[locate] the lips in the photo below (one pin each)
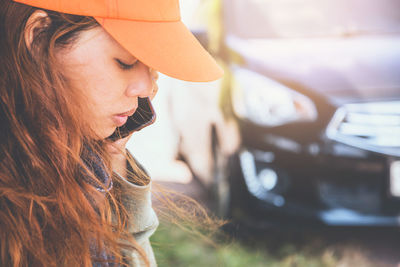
(128, 113)
(121, 118)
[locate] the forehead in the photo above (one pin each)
(98, 40)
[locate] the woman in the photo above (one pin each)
(71, 72)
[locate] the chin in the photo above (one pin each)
(104, 133)
(109, 132)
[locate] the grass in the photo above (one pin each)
(278, 246)
(175, 247)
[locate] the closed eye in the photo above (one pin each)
(125, 66)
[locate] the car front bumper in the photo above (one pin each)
(292, 186)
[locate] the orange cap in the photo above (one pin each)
(151, 30)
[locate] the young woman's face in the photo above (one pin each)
(109, 79)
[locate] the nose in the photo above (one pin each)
(142, 82)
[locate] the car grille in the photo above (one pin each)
(370, 126)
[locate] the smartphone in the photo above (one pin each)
(144, 116)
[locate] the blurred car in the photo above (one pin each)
(305, 126)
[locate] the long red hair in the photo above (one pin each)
(49, 214)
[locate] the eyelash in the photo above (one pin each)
(126, 66)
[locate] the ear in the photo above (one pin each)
(38, 19)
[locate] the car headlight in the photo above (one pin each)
(267, 102)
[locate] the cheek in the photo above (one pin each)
(104, 99)
(99, 88)
(99, 119)
(99, 94)
(100, 105)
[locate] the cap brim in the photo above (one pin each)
(168, 47)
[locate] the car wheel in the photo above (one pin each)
(220, 187)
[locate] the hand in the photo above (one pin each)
(117, 152)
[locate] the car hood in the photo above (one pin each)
(341, 69)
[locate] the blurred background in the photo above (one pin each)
(298, 145)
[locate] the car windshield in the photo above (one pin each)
(310, 18)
